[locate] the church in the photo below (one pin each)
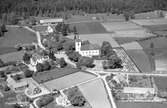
(87, 50)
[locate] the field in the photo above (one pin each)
(98, 39)
(69, 80)
(148, 22)
(161, 83)
(140, 105)
(89, 27)
(15, 36)
(55, 73)
(96, 94)
(159, 50)
(140, 81)
(118, 26)
(140, 58)
(161, 62)
(14, 56)
(123, 40)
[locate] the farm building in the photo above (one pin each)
(87, 50)
(51, 21)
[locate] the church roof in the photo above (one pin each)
(90, 47)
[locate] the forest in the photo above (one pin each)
(62, 8)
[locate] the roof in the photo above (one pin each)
(51, 20)
(90, 47)
(54, 74)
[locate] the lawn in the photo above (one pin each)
(161, 83)
(89, 28)
(96, 94)
(14, 36)
(69, 80)
(141, 105)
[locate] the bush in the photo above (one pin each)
(62, 63)
(28, 73)
(45, 101)
(113, 63)
(75, 97)
(74, 56)
(85, 61)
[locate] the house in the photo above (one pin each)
(51, 21)
(35, 59)
(16, 85)
(87, 50)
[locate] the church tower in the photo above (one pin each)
(77, 43)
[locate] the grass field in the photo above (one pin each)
(161, 83)
(68, 80)
(148, 22)
(118, 26)
(13, 37)
(96, 94)
(141, 59)
(160, 45)
(89, 28)
(13, 56)
(123, 40)
(98, 39)
(140, 105)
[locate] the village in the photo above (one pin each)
(97, 62)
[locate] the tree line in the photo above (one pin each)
(56, 8)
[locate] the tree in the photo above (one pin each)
(152, 48)
(39, 67)
(62, 63)
(52, 56)
(45, 101)
(2, 63)
(2, 74)
(106, 49)
(17, 106)
(75, 30)
(3, 29)
(78, 101)
(28, 73)
(26, 58)
(113, 63)
(17, 77)
(85, 61)
(74, 56)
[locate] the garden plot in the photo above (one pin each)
(96, 94)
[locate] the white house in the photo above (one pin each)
(87, 50)
(51, 21)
